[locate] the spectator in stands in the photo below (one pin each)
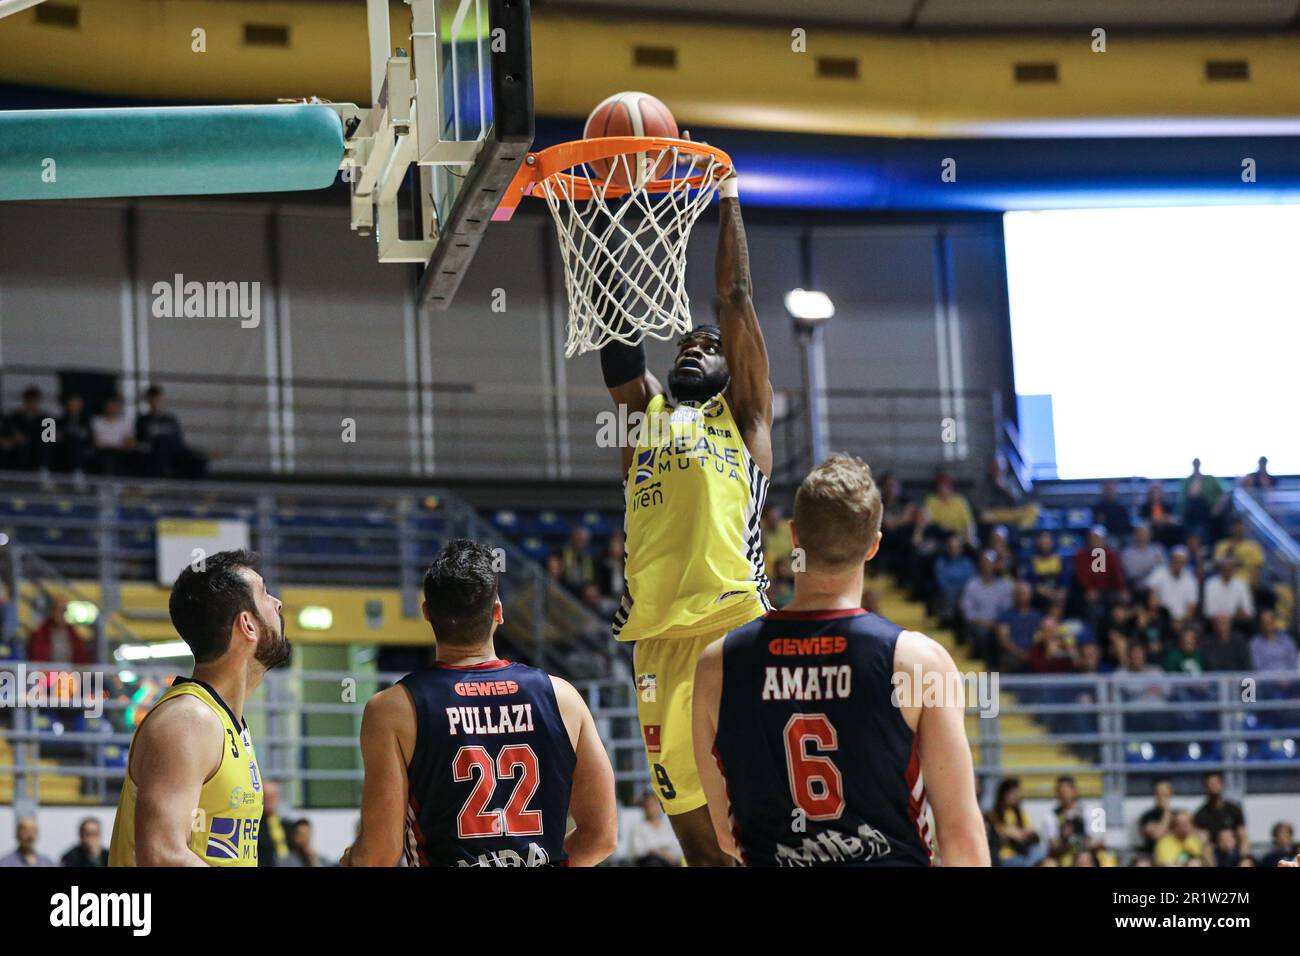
(1118, 625)
(897, 524)
(1098, 568)
(57, 640)
(1246, 553)
(1016, 629)
(1227, 594)
(1225, 650)
(1176, 586)
(1020, 842)
(1181, 845)
(90, 851)
(1157, 514)
(1185, 657)
(8, 444)
(1149, 623)
(1259, 479)
(776, 536)
(114, 438)
(1283, 846)
(1000, 544)
(555, 567)
(25, 854)
(1218, 813)
(1157, 821)
(1203, 500)
(1227, 852)
(1003, 502)
(1054, 650)
(650, 840)
(1090, 660)
(75, 450)
(950, 512)
(272, 841)
(161, 443)
(1142, 557)
(32, 438)
(983, 600)
(1046, 571)
(609, 569)
(1272, 649)
(579, 566)
(781, 591)
(1063, 826)
(301, 851)
(1198, 555)
(1140, 680)
(1111, 513)
(8, 623)
(952, 570)
(596, 602)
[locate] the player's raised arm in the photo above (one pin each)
(946, 765)
(705, 700)
(750, 391)
(623, 367)
(387, 735)
(178, 747)
(592, 803)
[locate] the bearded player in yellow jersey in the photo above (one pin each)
(193, 792)
(694, 489)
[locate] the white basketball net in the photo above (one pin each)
(625, 256)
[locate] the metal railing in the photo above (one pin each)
(1125, 728)
(504, 430)
(105, 532)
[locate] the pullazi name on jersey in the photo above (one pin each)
(501, 719)
(832, 846)
(821, 682)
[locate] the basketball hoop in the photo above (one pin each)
(623, 230)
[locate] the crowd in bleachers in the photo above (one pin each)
(1179, 588)
(109, 441)
(1069, 833)
(89, 850)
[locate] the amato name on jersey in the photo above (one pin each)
(503, 719)
(827, 682)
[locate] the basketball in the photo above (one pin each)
(630, 114)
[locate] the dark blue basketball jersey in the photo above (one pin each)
(492, 768)
(821, 767)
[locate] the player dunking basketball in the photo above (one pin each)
(823, 732)
(694, 489)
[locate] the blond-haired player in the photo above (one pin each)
(817, 741)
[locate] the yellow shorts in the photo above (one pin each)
(665, 677)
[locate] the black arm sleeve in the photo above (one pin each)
(621, 363)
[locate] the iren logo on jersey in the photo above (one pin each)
(487, 688)
(74, 908)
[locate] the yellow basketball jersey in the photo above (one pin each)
(694, 497)
(226, 821)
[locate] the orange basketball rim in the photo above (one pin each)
(557, 164)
